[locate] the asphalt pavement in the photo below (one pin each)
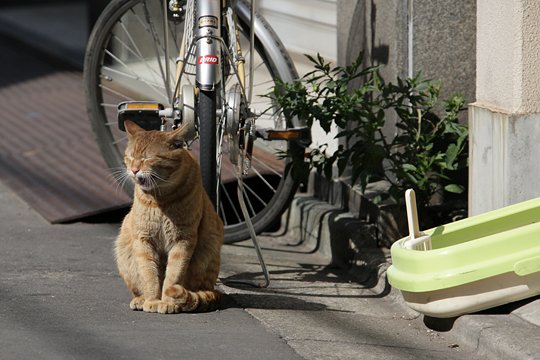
(61, 298)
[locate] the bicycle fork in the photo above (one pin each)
(208, 77)
(208, 49)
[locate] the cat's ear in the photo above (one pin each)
(132, 128)
(178, 137)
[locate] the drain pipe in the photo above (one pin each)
(410, 38)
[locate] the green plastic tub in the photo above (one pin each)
(470, 265)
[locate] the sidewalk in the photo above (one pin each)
(511, 331)
(60, 295)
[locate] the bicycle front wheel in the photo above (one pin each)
(131, 55)
(208, 143)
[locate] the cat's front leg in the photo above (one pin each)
(178, 262)
(148, 265)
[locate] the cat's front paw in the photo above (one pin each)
(169, 306)
(151, 306)
(161, 306)
(137, 303)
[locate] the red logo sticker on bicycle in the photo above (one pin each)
(208, 59)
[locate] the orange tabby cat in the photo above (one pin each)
(168, 249)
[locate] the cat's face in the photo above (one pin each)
(151, 157)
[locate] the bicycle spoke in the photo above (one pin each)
(138, 52)
(148, 26)
(130, 38)
(263, 179)
(248, 200)
(231, 203)
(133, 76)
(137, 55)
(249, 188)
(253, 196)
(125, 97)
(163, 10)
(222, 214)
(265, 165)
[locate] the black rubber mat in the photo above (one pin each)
(48, 154)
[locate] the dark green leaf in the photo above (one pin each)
(454, 188)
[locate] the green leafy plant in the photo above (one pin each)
(427, 153)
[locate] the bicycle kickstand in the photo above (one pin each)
(249, 224)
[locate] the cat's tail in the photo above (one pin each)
(199, 301)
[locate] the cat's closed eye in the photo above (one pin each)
(141, 158)
(176, 145)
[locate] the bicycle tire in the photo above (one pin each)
(206, 111)
(275, 60)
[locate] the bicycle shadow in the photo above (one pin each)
(303, 287)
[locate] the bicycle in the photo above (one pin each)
(170, 62)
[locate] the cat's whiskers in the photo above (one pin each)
(155, 180)
(151, 183)
(120, 176)
(162, 179)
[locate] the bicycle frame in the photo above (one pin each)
(208, 43)
(207, 46)
(208, 53)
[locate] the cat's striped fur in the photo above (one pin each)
(168, 249)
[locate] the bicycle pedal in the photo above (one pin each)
(301, 135)
(143, 113)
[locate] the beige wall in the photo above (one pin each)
(508, 45)
(505, 120)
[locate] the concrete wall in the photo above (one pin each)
(505, 119)
(496, 70)
(411, 36)
(503, 158)
(379, 28)
(444, 44)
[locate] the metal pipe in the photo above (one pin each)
(251, 51)
(410, 39)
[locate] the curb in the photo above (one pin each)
(506, 332)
